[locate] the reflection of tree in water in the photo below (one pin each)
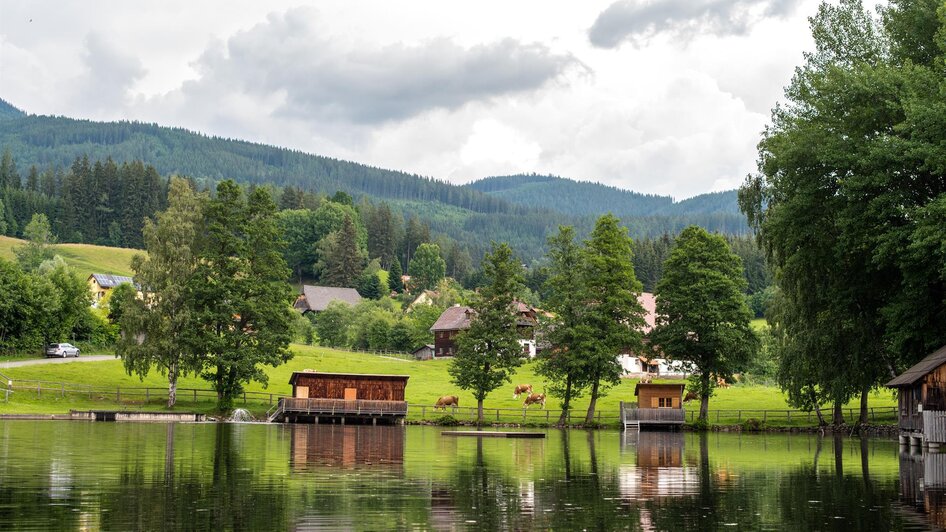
(233, 496)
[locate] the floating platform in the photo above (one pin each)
(492, 434)
(121, 415)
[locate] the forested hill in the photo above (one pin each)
(57, 141)
(581, 198)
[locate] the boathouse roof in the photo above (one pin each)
(371, 376)
(920, 369)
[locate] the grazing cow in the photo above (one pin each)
(447, 400)
(721, 382)
(690, 396)
(647, 379)
(522, 389)
(535, 398)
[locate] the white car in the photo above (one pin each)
(62, 350)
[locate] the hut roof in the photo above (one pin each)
(453, 319)
(372, 376)
(106, 280)
(662, 385)
(909, 377)
(317, 298)
(425, 346)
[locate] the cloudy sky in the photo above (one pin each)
(658, 96)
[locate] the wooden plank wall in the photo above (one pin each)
(333, 387)
(648, 397)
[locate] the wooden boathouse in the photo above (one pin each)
(658, 405)
(319, 397)
(922, 401)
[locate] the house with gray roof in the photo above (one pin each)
(317, 298)
(100, 284)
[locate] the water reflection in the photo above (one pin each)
(263, 477)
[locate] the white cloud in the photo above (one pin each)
(455, 91)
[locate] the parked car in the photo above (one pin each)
(62, 350)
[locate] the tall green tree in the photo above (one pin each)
(427, 267)
(562, 363)
(72, 300)
(384, 229)
(489, 350)
(240, 297)
(612, 317)
(341, 259)
(395, 283)
(38, 248)
(702, 315)
(155, 326)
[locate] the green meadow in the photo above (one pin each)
(428, 381)
(85, 258)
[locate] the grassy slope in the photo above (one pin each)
(85, 258)
(428, 381)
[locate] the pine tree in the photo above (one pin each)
(427, 268)
(395, 283)
(340, 258)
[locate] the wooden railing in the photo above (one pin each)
(341, 406)
(653, 415)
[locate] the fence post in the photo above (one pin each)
(547, 416)
(62, 390)
(740, 416)
(523, 415)
(872, 418)
(244, 397)
(717, 416)
(423, 412)
(765, 416)
(497, 414)
(195, 395)
(789, 412)
(39, 391)
(270, 399)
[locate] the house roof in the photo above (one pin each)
(106, 280)
(660, 386)
(921, 369)
(317, 298)
(312, 373)
(425, 346)
(453, 319)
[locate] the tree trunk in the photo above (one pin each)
(704, 398)
(172, 385)
(479, 411)
(566, 402)
(864, 418)
(838, 414)
(590, 416)
(814, 401)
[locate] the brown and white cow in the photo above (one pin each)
(690, 396)
(522, 389)
(535, 398)
(447, 400)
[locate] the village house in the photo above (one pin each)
(424, 352)
(922, 401)
(639, 364)
(100, 284)
(318, 298)
(658, 404)
(457, 318)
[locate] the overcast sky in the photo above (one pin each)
(657, 96)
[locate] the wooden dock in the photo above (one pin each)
(297, 410)
(635, 418)
(493, 434)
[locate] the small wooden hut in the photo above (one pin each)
(922, 400)
(658, 404)
(343, 397)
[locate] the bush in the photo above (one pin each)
(752, 425)
(699, 425)
(446, 420)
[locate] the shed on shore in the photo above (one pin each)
(922, 399)
(343, 398)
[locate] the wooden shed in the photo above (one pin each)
(922, 400)
(342, 397)
(658, 404)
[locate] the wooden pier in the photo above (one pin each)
(493, 434)
(633, 417)
(359, 411)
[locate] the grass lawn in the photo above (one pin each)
(428, 381)
(85, 258)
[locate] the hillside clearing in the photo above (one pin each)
(84, 258)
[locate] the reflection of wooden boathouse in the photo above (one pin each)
(923, 484)
(922, 401)
(342, 398)
(658, 405)
(347, 446)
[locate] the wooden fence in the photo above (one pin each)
(140, 395)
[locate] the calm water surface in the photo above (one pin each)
(124, 476)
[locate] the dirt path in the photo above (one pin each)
(35, 361)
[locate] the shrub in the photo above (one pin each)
(752, 425)
(446, 420)
(699, 425)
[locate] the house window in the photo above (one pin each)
(663, 402)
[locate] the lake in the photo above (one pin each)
(127, 476)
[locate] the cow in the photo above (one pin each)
(522, 389)
(447, 400)
(721, 382)
(534, 398)
(690, 396)
(647, 378)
